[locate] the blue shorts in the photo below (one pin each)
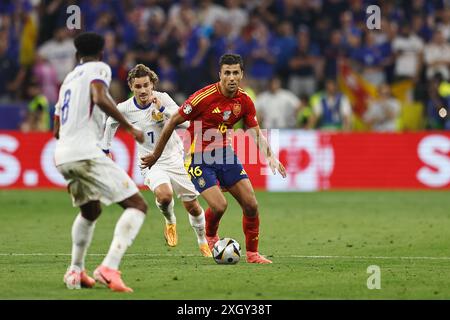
(219, 165)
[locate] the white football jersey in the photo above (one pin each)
(81, 122)
(151, 121)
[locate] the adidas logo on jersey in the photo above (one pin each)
(243, 172)
(216, 110)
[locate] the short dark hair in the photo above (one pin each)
(89, 44)
(231, 58)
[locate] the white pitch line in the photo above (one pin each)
(13, 254)
(368, 257)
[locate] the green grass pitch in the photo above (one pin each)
(321, 245)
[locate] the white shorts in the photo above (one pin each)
(174, 175)
(97, 179)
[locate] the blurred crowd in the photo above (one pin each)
(292, 51)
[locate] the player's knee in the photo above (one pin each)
(219, 208)
(164, 199)
(141, 205)
(250, 208)
(194, 208)
(91, 213)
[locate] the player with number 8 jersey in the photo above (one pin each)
(92, 178)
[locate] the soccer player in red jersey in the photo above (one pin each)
(212, 112)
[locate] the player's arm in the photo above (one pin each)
(150, 159)
(100, 96)
(110, 130)
(263, 145)
(56, 123)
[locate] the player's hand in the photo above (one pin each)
(109, 155)
(148, 161)
(138, 134)
(154, 99)
(274, 165)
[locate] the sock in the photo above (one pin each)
(198, 224)
(168, 212)
(251, 231)
(126, 230)
(82, 232)
(211, 223)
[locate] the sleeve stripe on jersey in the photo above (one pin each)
(242, 91)
(100, 80)
(203, 95)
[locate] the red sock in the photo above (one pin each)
(251, 230)
(211, 223)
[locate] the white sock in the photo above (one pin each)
(126, 230)
(168, 212)
(82, 232)
(198, 224)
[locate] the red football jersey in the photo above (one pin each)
(209, 110)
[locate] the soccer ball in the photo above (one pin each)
(227, 251)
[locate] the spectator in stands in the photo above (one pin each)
(195, 45)
(127, 29)
(8, 69)
(285, 46)
(277, 107)
(444, 25)
(383, 112)
(104, 23)
(369, 60)
(348, 28)
(305, 65)
(237, 17)
(151, 11)
(60, 52)
(38, 117)
(208, 12)
(221, 43)
(47, 78)
(437, 56)
(407, 48)
(145, 51)
(332, 53)
(437, 106)
(304, 112)
(168, 76)
(332, 110)
(263, 61)
(421, 27)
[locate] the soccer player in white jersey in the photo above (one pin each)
(148, 109)
(92, 176)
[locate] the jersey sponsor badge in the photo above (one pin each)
(236, 109)
(187, 109)
(226, 115)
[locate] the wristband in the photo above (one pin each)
(162, 109)
(106, 151)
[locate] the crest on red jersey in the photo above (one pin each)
(236, 109)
